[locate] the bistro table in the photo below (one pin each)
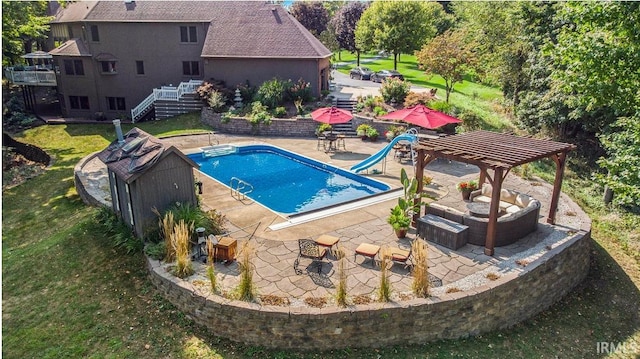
(333, 141)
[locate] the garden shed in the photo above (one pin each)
(145, 174)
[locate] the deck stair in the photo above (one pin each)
(169, 101)
(345, 129)
(220, 150)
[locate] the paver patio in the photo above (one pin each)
(276, 250)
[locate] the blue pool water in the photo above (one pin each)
(286, 182)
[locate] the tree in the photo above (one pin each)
(495, 30)
(328, 38)
(397, 26)
(333, 7)
(344, 23)
(622, 144)
(447, 55)
(598, 54)
(312, 15)
(599, 51)
(24, 23)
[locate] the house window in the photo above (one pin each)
(188, 34)
(108, 67)
(73, 67)
(140, 67)
(79, 102)
(190, 68)
(116, 104)
(95, 36)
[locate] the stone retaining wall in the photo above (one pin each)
(281, 127)
(84, 194)
(505, 302)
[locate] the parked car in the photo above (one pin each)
(385, 74)
(361, 73)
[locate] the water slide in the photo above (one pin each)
(380, 155)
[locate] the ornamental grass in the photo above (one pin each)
(341, 288)
(181, 246)
(246, 289)
(420, 271)
(384, 291)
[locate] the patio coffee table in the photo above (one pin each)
(481, 209)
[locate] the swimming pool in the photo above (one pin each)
(283, 181)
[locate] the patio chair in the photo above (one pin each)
(308, 248)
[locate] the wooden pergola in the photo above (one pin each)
(499, 152)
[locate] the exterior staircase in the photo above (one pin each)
(168, 101)
(345, 129)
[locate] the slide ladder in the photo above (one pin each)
(239, 188)
(382, 154)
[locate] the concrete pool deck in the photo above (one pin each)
(276, 250)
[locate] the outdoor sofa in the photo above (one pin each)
(520, 218)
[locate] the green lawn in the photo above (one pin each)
(483, 100)
(67, 293)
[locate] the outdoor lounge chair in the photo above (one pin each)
(308, 248)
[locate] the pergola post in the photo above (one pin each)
(419, 176)
(490, 241)
(560, 160)
(424, 159)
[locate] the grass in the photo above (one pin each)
(68, 293)
(483, 100)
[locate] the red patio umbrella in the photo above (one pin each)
(422, 116)
(331, 115)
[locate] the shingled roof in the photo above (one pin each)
(264, 31)
(139, 152)
(73, 47)
(236, 28)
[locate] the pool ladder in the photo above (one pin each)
(239, 188)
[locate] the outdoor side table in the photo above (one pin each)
(226, 249)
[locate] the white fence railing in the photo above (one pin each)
(166, 93)
(42, 77)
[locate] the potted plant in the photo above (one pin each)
(402, 213)
(466, 187)
(399, 221)
(372, 134)
(361, 131)
(390, 133)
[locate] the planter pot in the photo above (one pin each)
(364, 138)
(465, 194)
(402, 232)
(373, 139)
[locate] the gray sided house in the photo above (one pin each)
(145, 174)
(111, 55)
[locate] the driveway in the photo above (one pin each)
(346, 87)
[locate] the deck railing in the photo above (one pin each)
(31, 76)
(166, 93)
